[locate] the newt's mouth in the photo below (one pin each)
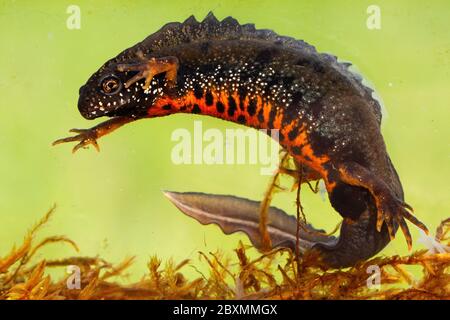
(92, 108)
(86, 114)
(87, 106)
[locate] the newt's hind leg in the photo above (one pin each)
(391, 210)
(149, 68)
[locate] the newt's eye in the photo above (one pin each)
(111, 85)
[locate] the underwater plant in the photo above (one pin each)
(275, 275)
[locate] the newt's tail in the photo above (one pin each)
(358, 240)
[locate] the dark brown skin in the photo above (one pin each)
(327, 118)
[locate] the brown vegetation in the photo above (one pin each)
(276, 275)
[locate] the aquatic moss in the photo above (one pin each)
(275, 275)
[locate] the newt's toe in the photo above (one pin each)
(85, 137)
(393, 212)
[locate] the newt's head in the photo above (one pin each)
(120, 90)
(103, 94)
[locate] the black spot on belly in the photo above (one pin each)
(261, 115)
(272, 114)
(209, 99)
(196, 109)
(167, 107)
(241, 119)
(293, 134)
(220, 107)
(251, 108)
(198, 91)
(242, 92)
(296, 150)
(232, 107)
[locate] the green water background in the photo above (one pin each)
(111, 203)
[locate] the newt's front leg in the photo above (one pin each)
(90, 136)
(391, 210)
(149, 68)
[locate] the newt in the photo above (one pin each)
(328, 120)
